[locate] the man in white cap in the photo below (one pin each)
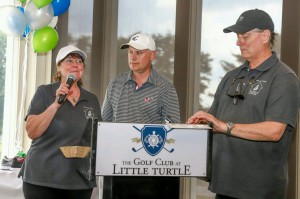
(253, 116)
(141, 95)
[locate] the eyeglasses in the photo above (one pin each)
(238, 88)
(71, 61)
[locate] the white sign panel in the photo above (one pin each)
(125, 149)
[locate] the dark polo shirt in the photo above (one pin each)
(45, 164)
(251, 169)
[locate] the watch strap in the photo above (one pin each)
(230, 126)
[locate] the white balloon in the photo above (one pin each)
(13, 21)
(53, 23)
(38, 18)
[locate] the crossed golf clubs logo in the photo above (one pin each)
(153, 138)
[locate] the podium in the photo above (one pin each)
(150, 151)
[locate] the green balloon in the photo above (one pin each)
(44, 39)
(41, 3)
(22, 1)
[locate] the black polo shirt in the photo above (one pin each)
(252, 169)
(45, 164)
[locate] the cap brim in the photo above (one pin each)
(236, 29)
(124, 46)
(64, 55)
(227, 30)
(136, 46)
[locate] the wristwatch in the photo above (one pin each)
(230, 126)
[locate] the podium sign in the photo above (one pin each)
(125, 149)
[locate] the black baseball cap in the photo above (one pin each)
(250, 20)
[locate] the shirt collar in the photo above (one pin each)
(83, 93)
(151, 79)
(266, 65)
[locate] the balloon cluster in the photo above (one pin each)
(39, 16)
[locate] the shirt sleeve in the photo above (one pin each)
(107, 111)
(283, 100)
(37, 104)
(172, 105)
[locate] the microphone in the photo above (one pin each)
(70, 80)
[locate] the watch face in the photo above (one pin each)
(230, 124)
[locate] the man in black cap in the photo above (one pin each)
(254, 114)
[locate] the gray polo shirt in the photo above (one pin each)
(150, 103)
(45, 164)
(251, 169)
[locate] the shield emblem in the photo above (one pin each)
(153, 138)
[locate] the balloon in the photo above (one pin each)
(27, 29)
(53, 22)
(44, 39)
(13, 21)
(60, 6)
(38, 18)
(22, 1)
(41, 3)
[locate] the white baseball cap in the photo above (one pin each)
(140, 41)
(63, 52)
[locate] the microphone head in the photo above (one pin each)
(71, 76)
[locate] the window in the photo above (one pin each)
(75, 27)
(219, 52)
(16, 52)
(156, 18)
(5, 47)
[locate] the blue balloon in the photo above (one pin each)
(60, 6)
(27, 29)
